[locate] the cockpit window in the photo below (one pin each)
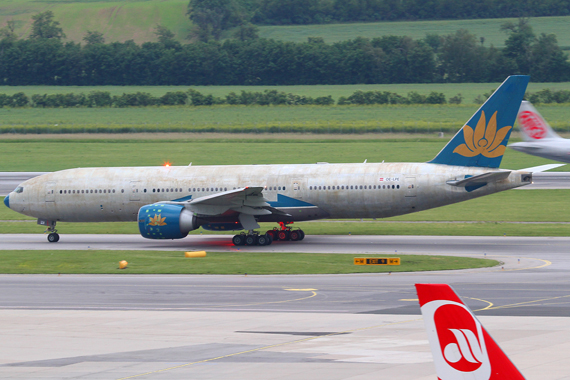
(19, 189)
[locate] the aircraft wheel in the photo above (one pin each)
(272, 234)
(283, 235)
(269, 239)
(302, 233)
(238, 240)
(263, 240)
(294, 235)
(53, 237)
(250, 240)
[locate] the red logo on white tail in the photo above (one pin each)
(458, 339)
(532, 125)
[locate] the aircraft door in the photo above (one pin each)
(411, 187)
(135, 191)
(50, 191)
(298, 186)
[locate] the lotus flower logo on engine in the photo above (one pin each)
(157, 220)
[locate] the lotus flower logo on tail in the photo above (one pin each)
(485, 140)
(482, 140)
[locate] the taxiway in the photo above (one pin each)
(362, 326)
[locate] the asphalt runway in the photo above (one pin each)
(546, 180)
(361, 326)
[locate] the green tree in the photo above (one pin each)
(8, 34)
(165, 35)
(518, 44)
(92, 38)
(44, 27)
(461, 58)
(247, 31)
(548, 63)
(212, 17)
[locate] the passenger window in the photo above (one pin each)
(284, 188)
(397, 186)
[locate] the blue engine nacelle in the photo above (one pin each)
(164, 221)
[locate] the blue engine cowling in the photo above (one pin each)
(164, 221)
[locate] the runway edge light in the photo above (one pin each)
(123, 264)
(195, 254)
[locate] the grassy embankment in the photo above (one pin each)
(491, 214)
(169, 262)
(264, 119)
(122, 21)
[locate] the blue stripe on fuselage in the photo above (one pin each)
(285, 201)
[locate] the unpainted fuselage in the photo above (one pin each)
(304, 192)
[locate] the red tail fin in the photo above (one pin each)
(461, 347)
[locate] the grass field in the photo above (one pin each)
(24, 155)
(487, 28)
(117, 20)
(126, 20)
(255, 119)
(251, 263)
(260, 119)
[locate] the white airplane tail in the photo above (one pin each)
(462, 349)
(532, 124)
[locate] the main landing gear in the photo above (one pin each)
(282, 233)
(252, 238)
(285, 233)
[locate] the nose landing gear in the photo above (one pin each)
(53, 236)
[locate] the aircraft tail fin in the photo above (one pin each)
(532, 125)
(461, 347)
(483, 139)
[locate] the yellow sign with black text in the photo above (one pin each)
(376, 261)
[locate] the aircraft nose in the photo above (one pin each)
(7, 201)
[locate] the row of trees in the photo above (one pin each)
(195, 98)
(268, 97)
(45, 59)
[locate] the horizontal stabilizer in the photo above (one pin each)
(541, 168)
(480, 180)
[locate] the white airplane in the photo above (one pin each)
(168, 202)
(539, 137)
(461, 347)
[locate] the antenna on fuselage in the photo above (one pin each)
(365, 160)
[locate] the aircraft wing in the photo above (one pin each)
(246, 200)
(480, 180)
